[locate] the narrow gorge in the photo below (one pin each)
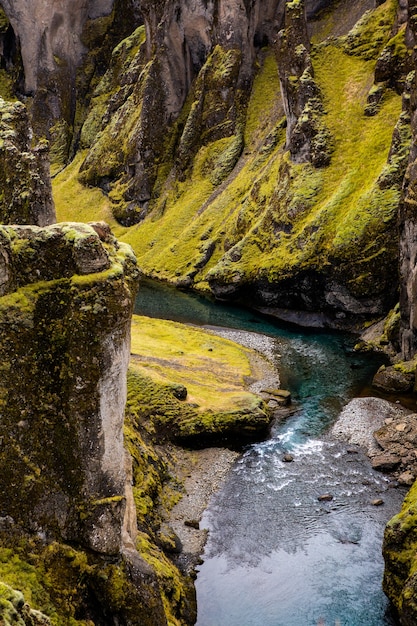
(260, 153)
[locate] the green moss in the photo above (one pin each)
(372, 32)
(399, 549)
(212, 370)
(4, 21)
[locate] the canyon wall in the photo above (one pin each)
(221, 134)
(25, 183)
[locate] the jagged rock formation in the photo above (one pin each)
(408, 222)
(55, 72)
(25, 183)
(308, 140)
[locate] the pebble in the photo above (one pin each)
(325, 497)
(288, 458)
(377, 502)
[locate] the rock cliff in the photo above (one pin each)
(66, 298)
(65, 293)
(55, 51)
(25, 183)
(221, 133)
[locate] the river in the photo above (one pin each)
(276, 554)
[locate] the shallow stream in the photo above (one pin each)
(276, 554)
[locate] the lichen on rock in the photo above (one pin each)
(25, 184)
(66, 293)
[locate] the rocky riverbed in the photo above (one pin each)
(388, 433)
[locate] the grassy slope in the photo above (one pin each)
(167, 356)
(334, 212)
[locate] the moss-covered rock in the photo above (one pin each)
(25, 184)
(66, 293)
(399, 549)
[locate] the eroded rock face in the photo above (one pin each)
(63, 46)
(25, 184)
(408, 221)
(65, 311)
(308, 140)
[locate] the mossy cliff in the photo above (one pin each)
(56, 54)
(241, 188)
(84, 521)
(66, 300)
(25, 184)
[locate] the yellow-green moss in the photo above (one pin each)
(372, 31)
(167, 357)
(400, 554)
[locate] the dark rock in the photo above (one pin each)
(325, 497)
(308, 139)
(192, 523)
(391, 380)
(180, 392)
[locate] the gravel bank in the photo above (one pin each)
(361, 417)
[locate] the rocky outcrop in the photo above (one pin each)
(408, 239)
(66, 302)
(308, 139)
(25, 184)
(399, 549)
(54, 41)
(201, 52)
(66, 298)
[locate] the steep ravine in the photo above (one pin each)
(260, 152)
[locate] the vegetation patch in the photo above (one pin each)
(189, 384)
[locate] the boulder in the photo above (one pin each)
(393, 380)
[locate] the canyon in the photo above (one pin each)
(262, 153)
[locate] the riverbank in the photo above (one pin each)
(203, 472)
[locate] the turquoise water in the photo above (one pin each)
(276, 555)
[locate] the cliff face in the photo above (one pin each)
(56, 50)
(65, 293)
(66, 297)
(25, 183)
(408, 221)
(221, 131)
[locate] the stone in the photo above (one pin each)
(288, 458)
(25, 183)
(391, 380)
(377, 502)
(385, 462)
(325, 497)
(406, 478)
